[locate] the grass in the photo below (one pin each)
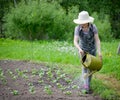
(111, 61)
(54, 51)
(64, 55)
(103, 90)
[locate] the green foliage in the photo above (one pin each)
(111, 60)
(29, 16)
(15, 92)
(44, 20)
(38, 20)
(47, 89)
(104, 26)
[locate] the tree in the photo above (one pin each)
(115, 18)
(110, 7)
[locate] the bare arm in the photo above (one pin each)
(76, 40)
(98, 46)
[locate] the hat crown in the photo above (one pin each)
(83, 15)
(83, 18)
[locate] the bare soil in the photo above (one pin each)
(23, 80)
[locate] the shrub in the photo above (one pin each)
(104, 27)
(38, 21)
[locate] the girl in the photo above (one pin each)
(86, 39)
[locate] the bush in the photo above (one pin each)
(41, 20)
(104, 27)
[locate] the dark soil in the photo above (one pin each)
(25, 80)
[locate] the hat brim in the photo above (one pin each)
(78, 21)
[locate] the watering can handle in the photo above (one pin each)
(85, 53)
(84, 65)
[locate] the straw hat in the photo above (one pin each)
(83, 18)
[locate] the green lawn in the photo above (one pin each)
(65, 55)
(46, 51)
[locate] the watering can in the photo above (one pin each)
(91, 62)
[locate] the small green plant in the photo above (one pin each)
(54, 81)
(32, 89)
(40, 81)
(2, 76)
(59, 85)
(25, 76)
(68, 80)
(14, 77)
(41, 72)
(62, 75)
(63, 88)
(58, 72)
(15, 92)
(10, 72)
(30, 84)
(22, 73)
(25, 71)
(47, 89)
(17, 70)
(67, 92)
(49, 73)
(74, 87)
(34, 71)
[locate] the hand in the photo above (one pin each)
(81, 52)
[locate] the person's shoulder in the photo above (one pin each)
(77, 27)
(92, 25)
(94, 28)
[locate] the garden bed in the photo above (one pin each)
(25, 80)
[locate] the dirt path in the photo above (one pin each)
(24, 80)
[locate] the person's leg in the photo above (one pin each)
(89, 78)
(86, 79)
